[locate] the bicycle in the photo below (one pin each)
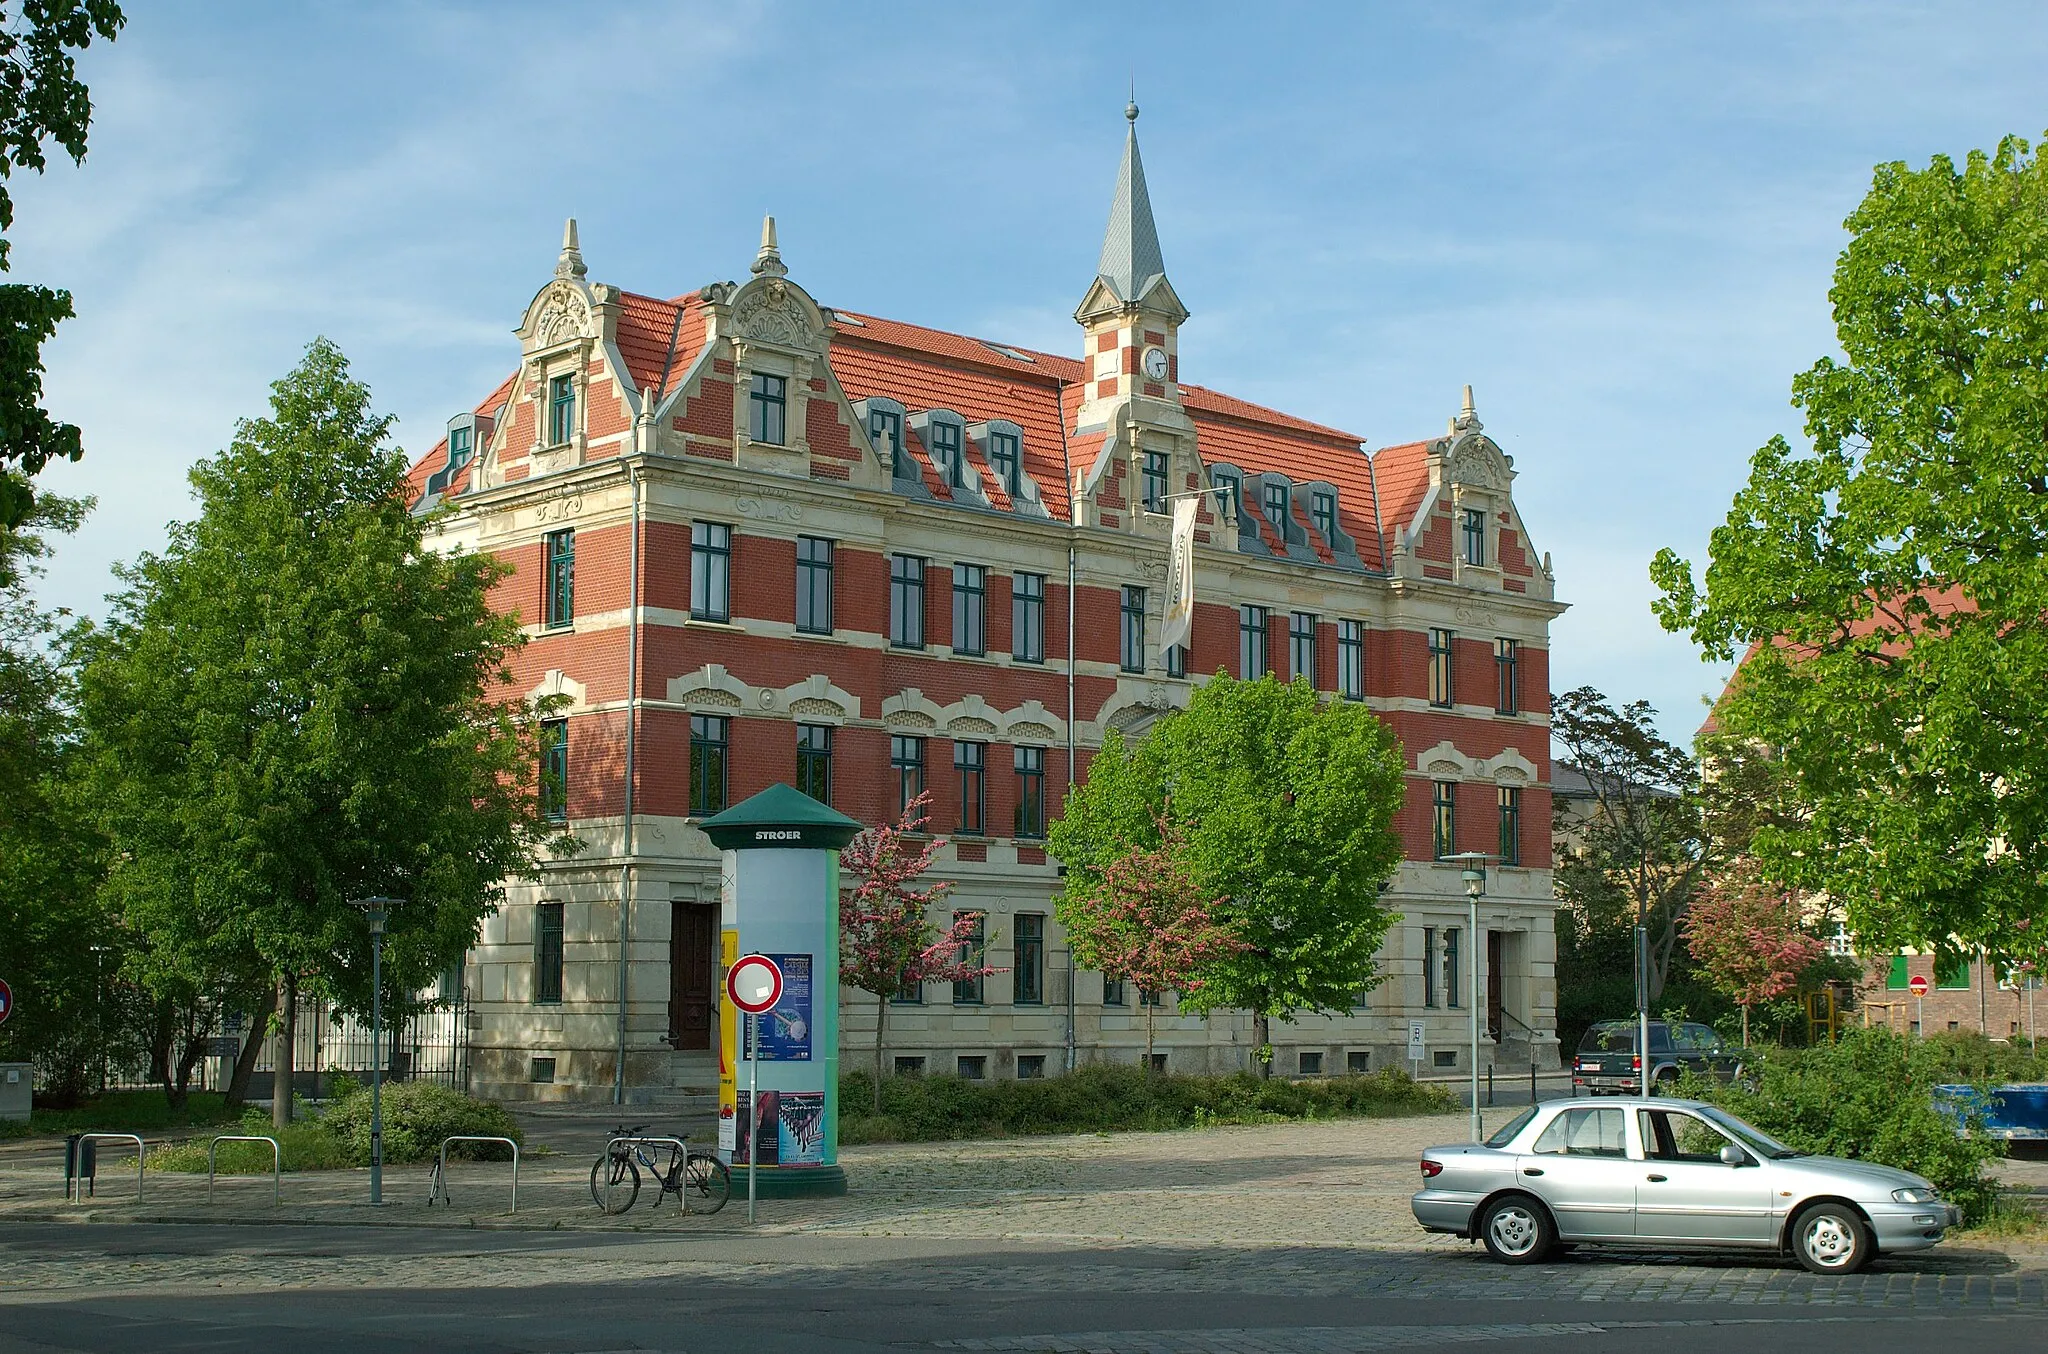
(674, 1169)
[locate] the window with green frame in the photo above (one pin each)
(1896, 980)
(1952, 975)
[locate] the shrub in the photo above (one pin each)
(1100, 1098)
(305, 1146)
(1868, 1096)
(417, 1116)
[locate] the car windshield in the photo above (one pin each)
(1513, 1126)
(1620, 1038)
(1750, 1136)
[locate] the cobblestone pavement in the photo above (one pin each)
(1239, 1239)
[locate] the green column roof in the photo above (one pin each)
(780, 818)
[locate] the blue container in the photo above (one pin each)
(2013, 1112)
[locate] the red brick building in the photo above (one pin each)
(757, 539)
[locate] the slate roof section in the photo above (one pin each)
(1131, 261)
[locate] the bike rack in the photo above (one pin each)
(682, 1196)
(440, 1190)
(276, 1163)
(77, 1195)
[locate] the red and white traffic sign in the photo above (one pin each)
(754, 983)
(6, 1002)
(1917, 985)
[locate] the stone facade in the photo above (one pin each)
(665, 478)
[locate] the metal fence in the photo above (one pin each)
(424, 1045)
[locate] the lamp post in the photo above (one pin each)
(1474, 875)
(376, 910)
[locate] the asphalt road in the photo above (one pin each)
(145, 1289)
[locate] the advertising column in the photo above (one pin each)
(781, 898)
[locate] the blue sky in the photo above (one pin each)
(1616, 221)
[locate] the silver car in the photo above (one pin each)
(1674, 1173)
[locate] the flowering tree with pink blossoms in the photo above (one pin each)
(887, 940)
(1748, 937)
(1150, 924)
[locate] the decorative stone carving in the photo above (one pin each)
(563, 316)
(770, 506)
(1443, 766)
(969, 724)
(1477, 615)
(910, 719)
(811, 705)
(705, 695)
(773, 315)
(1477, 461)
(1031, 731)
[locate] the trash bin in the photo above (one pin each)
(81, 1162)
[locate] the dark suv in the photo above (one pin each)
(1607, 1063)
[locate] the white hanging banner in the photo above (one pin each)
(1180, 576)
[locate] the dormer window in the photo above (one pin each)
(460, 447)
(766, 408)
(1475, 536)
(945, 448)
(885, 426)
(1155, 481)
(1229, 489)
(561, 409)
(1006, 457)
(1323, 507)
(1276, 505)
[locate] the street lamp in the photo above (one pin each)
(376, 909)
(1474, 875)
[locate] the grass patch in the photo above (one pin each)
(2011, 1217)
(305, 1146)
(1109, 1098)
(144, 1111)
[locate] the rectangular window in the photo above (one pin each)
(710, 571)
(766, 406)
(1310, 1062)
(1443, 817)
(1896, 980)
(1030, 989)
(554, 770)
(1251, 642)
(458, 448)
(945, 445)
(973, 1066)
(547, 953)
(559, 605)
(885, 426)
(970, 609)
(1510, 825)
(1276, 507)
(1358, 1061)
(813, 585)
(1323, 507)
(561, 409)
(1351, 659)
(968, 991)
(1301, 646)
(906, 765)
(1027, 618)
(1229, 492)
(1440, 667)
(1451, 966)
(912, 1066)
(814, 761)
(1030, 792)
(1006, 458)
(1952, 975)
(910, 994)
(1429, 966)
(1506, 657)
(1115, 992)
(971, 761)
(707, 764)
(1155, 481)
(1177, 661)
(1030, 1067)
(1475, 536)
(906, 601)
(1132, 653)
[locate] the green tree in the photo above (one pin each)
(1889, 583)
(297, 704)
(1285, 804)
(41, 101)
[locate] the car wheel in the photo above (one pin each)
(1517, 1230)
(1830, 1238)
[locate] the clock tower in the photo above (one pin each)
(1131, 382)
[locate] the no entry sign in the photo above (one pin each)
(1917, 985)
(754, 983)
(6, 1002)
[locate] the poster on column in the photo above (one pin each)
(800, 1120)
(786, 1029)
(767, 1121)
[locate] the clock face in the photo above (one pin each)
(1155, 363)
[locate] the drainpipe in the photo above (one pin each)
(632, 703)
(1067, 469)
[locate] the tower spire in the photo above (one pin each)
(1131, 261)
(570, 263)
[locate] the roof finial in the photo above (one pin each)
(1467, 410)
(1130, 260)
(768, 263)
(1131, 108)
(1468, 417)
(570, 264)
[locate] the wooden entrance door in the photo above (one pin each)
(693, 932)
(1496, 973)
